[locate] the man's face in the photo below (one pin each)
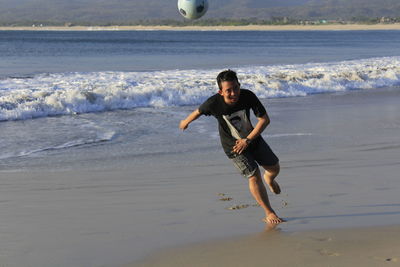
(230, 91)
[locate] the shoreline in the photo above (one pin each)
(330, 27)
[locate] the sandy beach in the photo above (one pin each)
(379, 246)
(339, 190)
(109, 207)
(94, 170)
(329, 27)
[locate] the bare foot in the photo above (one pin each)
(272, 218)
(272, 184)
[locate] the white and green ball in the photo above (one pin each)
(192, 9)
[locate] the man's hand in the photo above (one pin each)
(240, 146)
(183, 125)
(192, 116)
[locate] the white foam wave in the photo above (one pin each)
(71, 93)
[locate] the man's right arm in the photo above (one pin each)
(192, 116)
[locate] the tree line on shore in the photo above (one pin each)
(206, 22)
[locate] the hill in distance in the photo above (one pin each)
(124, 11)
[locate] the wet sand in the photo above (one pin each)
(329, 27)
(339, 183)
(378, 246)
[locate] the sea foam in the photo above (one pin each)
(83, 92)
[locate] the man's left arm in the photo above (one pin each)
(242, 144)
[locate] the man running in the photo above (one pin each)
(241, 141)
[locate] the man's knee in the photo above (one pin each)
(273, 170)
(256, 177)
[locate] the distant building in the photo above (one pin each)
(384, 20)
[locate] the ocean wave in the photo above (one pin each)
(83, 92)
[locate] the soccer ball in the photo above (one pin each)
(192, 9)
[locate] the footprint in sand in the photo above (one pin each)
(325, 252)
(243, 206)
(238, 207)
(223, 197)
(386, 259)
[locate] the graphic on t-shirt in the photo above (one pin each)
(238, 123)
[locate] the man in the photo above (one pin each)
(241, 142)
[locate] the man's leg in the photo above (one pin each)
(259, 192)
(270, 174)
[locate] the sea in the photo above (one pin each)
(94, 170)
(71, 91)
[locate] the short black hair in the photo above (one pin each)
(226, 76)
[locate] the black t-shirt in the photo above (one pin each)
(233, 120)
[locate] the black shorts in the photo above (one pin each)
(259, 153)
